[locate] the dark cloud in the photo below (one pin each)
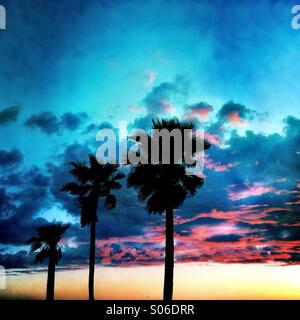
(238, 114)
(49, 123)
(271, 232)
(161, 99)
(209, 221)
(90, 128)
(72, 121)
(19, 259)
(292, 128)
(11, 179)
(93, 128)
(262, 157)
(224, 238)
(21, 205)
(234, 112)
(9, 114)
(9, 158)
(76, 256)
(7, 206)
(46, 121)
(200, 110)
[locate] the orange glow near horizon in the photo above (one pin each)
(192, 281)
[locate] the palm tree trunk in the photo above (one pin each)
(51, 278)
(92, 259)
(169, 256)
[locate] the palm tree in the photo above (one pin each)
(95, 181)
(47, 242)
(165, 187)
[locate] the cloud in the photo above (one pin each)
(46, 121)
(224, 238)
(292, 128)
(238, 115)
(150, 78)
(219, 167)
(251, 190)
(7, 205)
(198, 111)
(235, 113)
(49, 123)
(9, 115)
(72, 121)
(163, 98)
(16, 260)
(21, 204)
(9, 158)
(94, 128)
(274, 232)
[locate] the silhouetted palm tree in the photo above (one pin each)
(95, 181)
(164, 188)
(47, 242)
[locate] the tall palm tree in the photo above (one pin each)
(165, 187)
(94, 181)
(47, 242)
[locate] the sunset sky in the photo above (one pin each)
(192, 281)
(70, 68)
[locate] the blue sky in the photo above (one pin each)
(69, 65)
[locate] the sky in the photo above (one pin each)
(70, 68)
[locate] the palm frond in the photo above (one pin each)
(110, 201)
(41, 256)
(81, 171)
(96, 181)
(47, 239)
(165, 186)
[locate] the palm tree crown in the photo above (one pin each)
(95, 180)
(165, 186)
(47, 241)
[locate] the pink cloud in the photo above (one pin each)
(235, 119)
(198, 111)
(218, 167)
(214, 139)
(202, 114)
(252, 190)
(148, 249)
